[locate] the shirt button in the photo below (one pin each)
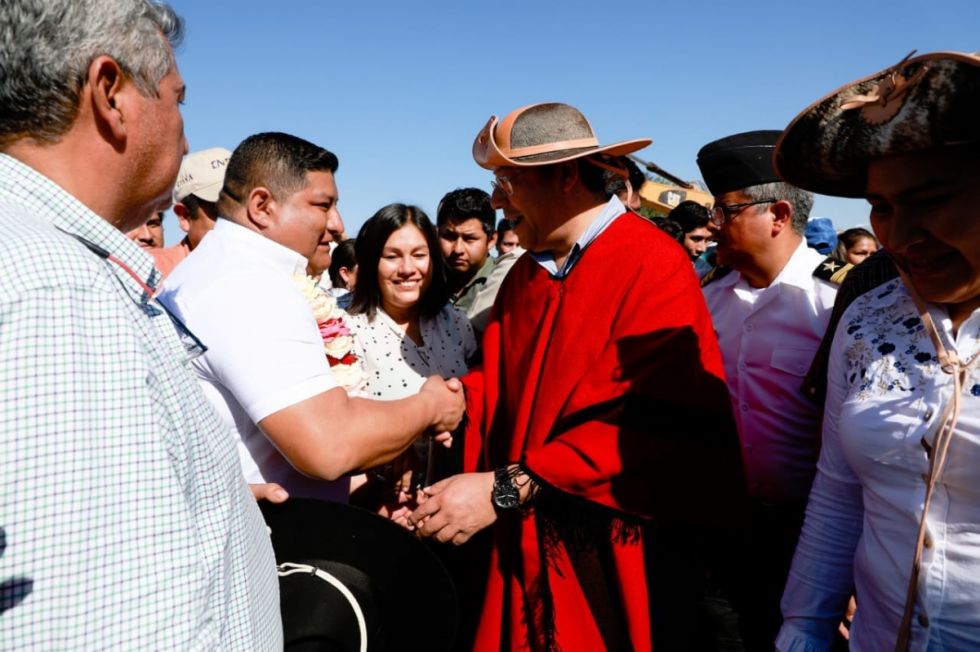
(923, 620)
(927, 415)
(744, 407)
(741, 366)
(748, 328)
(927, 541)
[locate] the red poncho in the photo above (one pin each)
(608, 386)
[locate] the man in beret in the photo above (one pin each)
(597, 350)
(770, 313)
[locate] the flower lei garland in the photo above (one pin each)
(338, 339)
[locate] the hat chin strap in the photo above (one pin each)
(290, 568)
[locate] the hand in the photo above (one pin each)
(845, 626)
(456, 508)
(269, 491)
(448, 403)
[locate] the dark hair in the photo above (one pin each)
(342, 256)
(593, 177)
(689, 215)
(615, 183)
(850, 237)
(274, 160)
(371, 241)
(193, 203)
(505, 225)
(466, 203)
(671, 228)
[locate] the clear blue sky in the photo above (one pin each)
(398, 90)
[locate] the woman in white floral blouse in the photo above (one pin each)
(405, 331)
(894, 512)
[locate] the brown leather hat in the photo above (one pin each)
(921, 103)
(542, 134)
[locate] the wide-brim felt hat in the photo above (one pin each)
(352, 580)
(921, 103)
(543, 134)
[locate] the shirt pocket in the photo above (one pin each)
(792, 360)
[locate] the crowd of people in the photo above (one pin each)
(723, 428)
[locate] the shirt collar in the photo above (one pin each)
(57, 206)
(252, 244)
(613, 209)
(796, 272)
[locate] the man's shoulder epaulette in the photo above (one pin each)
(716, 273)
(832, 270)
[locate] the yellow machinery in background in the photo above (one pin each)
(662, 195)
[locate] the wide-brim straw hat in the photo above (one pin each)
(919, 104)
(543, 134)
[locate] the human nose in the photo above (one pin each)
(498, 198)
(335, 224)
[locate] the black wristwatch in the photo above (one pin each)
(505, 494)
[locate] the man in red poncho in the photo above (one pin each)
(600, 415)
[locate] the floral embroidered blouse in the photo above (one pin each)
(886, 395)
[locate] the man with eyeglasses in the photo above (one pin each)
(770, 313)
(597, 351)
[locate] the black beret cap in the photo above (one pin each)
(738, 161)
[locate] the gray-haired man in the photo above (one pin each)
(125, 519)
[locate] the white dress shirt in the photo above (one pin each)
(265, 353)
(885, 394)
(768, 339)
(396, 367)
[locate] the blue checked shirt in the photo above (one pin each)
(125, 522)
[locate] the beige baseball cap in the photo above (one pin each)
(202, 174)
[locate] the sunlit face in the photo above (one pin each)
(860, 250)
(745, 235)
(308, 219)
(696, 241)
(924, 213)
(465, 245)
(507, 242)
(150, 234)
(527, 206)
(404, 270)
(157, 140)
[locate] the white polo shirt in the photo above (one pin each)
(768, 338)
(235, 291)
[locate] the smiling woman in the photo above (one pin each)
(405, 331)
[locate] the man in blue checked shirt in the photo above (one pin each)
(124, 519)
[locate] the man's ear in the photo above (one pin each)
(109, 92)
(782, 216)
(261, 208)
(183, 217)
(568, 175)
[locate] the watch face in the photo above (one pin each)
(506, 496)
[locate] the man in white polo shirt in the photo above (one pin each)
(265, 369)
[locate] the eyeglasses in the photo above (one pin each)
(723, 213)
(504, 182)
